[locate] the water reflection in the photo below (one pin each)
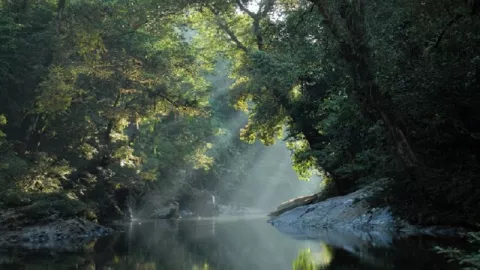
(305, 261)
(310, 260)
(231, 243)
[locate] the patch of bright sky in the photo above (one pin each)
(275, 15)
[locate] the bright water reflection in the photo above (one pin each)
(230, 244)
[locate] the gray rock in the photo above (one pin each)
(349, 213)
(70, 234)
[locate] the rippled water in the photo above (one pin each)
(231, 243)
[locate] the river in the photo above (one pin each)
(231, 244)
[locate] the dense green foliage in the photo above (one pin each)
(365, 91)
(98, 95)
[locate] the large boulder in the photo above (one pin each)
(351, 213)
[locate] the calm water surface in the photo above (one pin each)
(230, 244)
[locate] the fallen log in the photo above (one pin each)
(296, 202)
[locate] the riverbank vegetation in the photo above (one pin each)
(102, 96)
(469, 259)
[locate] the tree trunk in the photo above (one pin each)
(367, 93)
(107, 152)
(349, 31)
(33, 134)
(60, 9)
(26, 6)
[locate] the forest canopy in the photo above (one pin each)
(146, 95)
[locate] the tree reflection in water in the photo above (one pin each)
(308, 260)
(232, 244)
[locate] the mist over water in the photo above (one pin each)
(272, 180)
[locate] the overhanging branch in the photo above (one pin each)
(441, 34)
(223, 25)
(244, 9)
(133, 30)
(266, 6)
(169, 100)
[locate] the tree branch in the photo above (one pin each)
(266, 6)
(175, 104)
(60, 8)
(135, 28)
(258, 34)
(442, 33)
(223, 25)
(244, 9)
(308, 10)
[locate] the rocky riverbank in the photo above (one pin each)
(51, 223)
(349, 213)
(66, 235)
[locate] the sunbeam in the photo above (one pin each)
(179, 134)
